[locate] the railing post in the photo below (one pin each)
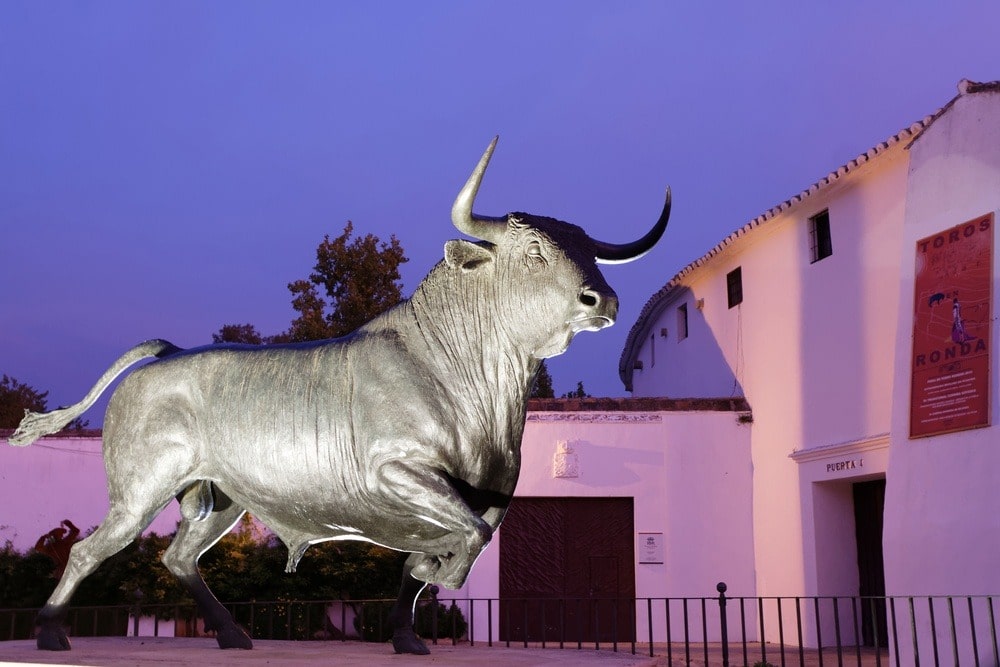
(137, 597)
(723, 627)
(434, 613)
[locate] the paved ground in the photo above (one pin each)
(162, 651)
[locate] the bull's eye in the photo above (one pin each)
(534, 250)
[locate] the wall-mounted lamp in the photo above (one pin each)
(700, 304)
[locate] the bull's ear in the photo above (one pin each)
(466, 255)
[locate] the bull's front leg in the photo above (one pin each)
(425, 493)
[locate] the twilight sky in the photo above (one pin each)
(168, 167)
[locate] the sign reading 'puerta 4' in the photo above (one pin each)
(950, 380)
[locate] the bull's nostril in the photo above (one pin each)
(588, 298)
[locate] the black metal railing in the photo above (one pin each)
(718, 630)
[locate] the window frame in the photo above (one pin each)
(683, 322)
(820, 237)
(734, 287)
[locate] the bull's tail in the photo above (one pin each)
(36, 424)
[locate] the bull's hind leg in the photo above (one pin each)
(195, 537)
(119, 528)
(404, 639)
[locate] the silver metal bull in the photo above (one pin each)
(406, 433)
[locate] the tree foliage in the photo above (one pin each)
(579, 392)
(16, 397)
(238, 333)
(360, 278)
(354, 279)
(542, 388)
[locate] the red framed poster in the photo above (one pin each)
(950, 368)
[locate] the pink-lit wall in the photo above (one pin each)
(54, 479)
(690, 477)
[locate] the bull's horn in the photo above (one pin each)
(610, 253)
(477, 226)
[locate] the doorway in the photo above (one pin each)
(869, 508)
(567, 570)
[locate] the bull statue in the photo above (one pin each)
(405, 433)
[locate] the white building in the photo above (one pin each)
(809, 311)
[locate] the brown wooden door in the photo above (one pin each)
(567, 570)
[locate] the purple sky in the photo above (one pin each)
(168, 167)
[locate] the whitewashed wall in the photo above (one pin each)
(942, 517)
(811, 348)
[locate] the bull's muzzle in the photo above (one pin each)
(598, 310)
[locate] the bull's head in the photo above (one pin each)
(551, 265)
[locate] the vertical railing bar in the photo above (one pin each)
(913, 634)
(579, 626)
(878, 650)
(687, 636)
(934, 644)
(798, 625)
(954, 634)
(819, 632)
(972, 630)
(524, 605)
(993, 631)
(670, 648)
(506, 613)
(489, 622)
(542, 604)
(614, 625)
(649, 624)
(562, 622)
(472, 622)
(704, 630)
(760, 623)
(895, 632)
(743, 629)
(453, 612)
(836, 631)
(597, 624)
(723, 624)
(781, 631)
(857, 632)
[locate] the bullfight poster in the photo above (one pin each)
(950, 371)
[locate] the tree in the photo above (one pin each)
(360, 278)
(542, 388)
(579, 392)
(238, 333)
(16, 397)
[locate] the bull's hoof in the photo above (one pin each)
(233, 636)
(406, 641)
(52, 638)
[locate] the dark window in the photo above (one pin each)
(734, 286)
(682, 322)
(820, 244)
